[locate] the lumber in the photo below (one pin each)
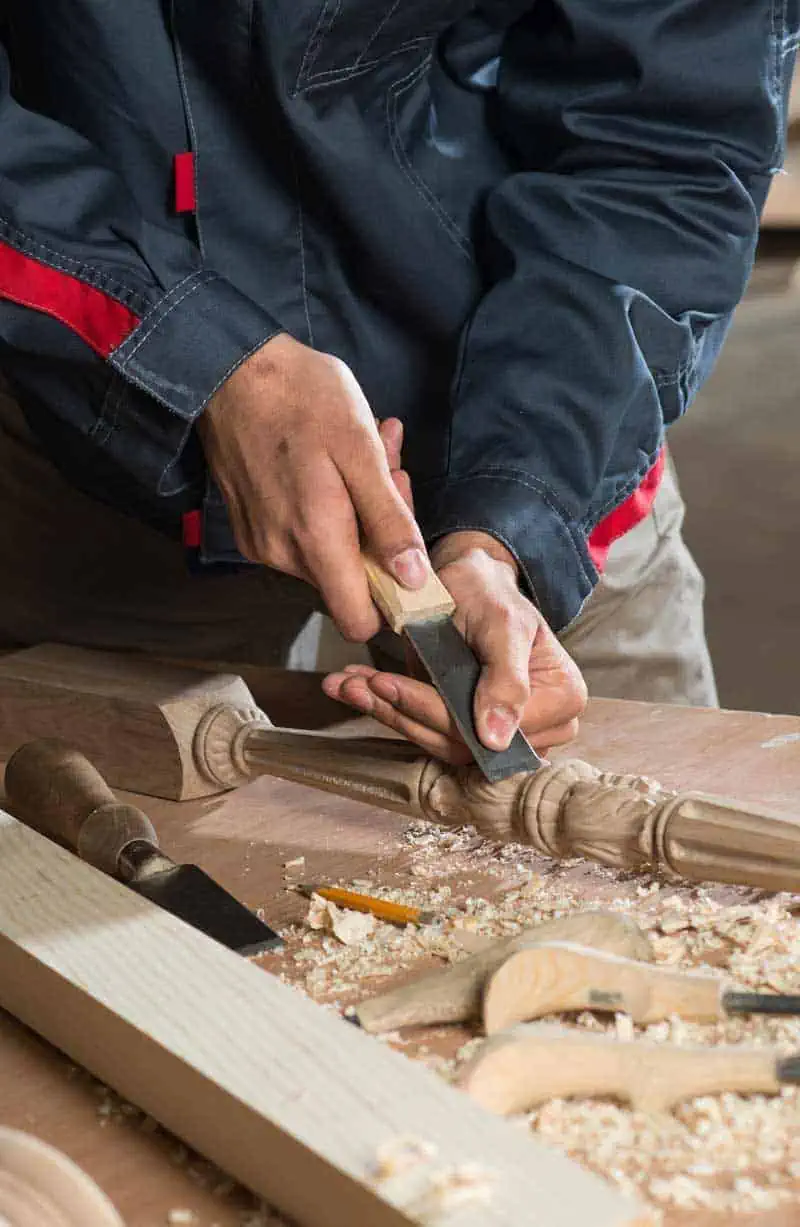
(292, 1101)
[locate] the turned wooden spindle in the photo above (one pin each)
(174, 733)
(565, 810)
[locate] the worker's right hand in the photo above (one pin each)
(295, 450)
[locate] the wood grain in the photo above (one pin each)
(135, 719)
(244, 838)
(290, 1100)
(400, 605)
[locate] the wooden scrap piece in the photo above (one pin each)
(454, 994)
(288, 1099)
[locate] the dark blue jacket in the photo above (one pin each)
(523, 223)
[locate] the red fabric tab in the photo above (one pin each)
(192, 530)
(99, 320)
(625, 517)
(185, 201)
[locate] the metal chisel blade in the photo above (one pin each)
(760, 1003)
(191, 895)
(454, 670)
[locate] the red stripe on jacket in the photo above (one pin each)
(183, 168)
(97, 318)
(103, 323)
(625, 517)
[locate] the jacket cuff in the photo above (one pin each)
(191, 341)
(552, 554)
(176, 359)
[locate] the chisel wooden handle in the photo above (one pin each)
(454, 994)
(559, 976)
(521, 1069)
(400, 605)
(53, 788)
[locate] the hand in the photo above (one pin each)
(528, 680)
(295, 450)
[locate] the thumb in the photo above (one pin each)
(504, 647)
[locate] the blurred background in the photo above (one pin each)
(738, 457)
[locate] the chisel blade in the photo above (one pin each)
(760, 1003)
(191, 895)
(454, 670)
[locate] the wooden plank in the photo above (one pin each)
(290, 1100)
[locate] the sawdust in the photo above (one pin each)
(408, 1174)
(723, 1153)
(715, 1153)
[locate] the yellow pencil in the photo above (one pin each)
(395, 913)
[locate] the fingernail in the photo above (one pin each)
(500, 724)
(411, 568)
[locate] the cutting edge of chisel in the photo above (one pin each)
(454, 670)
(193, 896)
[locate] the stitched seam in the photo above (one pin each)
(56, 315)
(302, 247)
(778, 24)
(85, 272)
(125, 352)
(189, 118)
(624, 491)
(331, 76)
(401, 157)
(495, 472)
(547, 496)
(234, 366)
(317, 37)
(386, 17)
(460, 526)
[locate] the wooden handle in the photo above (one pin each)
(400, 605)
(521, 1069)
(559, 976)
(454, 993)
(56, 790)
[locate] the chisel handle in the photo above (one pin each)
(55, 789)
(400, 605)
(560, 976)
(521, 1069)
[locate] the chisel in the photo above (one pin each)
(424, 616)
(520, 1069)
(561, 976)
(54, 789)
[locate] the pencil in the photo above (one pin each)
(395, 913)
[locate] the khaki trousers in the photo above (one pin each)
(74, 572)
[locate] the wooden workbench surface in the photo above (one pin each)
(246, 838)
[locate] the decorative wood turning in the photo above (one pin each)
(177, 733)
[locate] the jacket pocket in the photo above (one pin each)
(351, 37)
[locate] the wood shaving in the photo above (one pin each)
(407, 1175)
(722, 1153)
(351, 928)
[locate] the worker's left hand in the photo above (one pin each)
(528, 680)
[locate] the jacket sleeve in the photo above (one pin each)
(643, 138)
(108, 323)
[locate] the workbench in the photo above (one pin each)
(248, 840)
